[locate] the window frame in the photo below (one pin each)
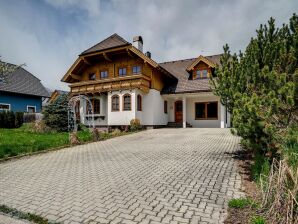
(206, 110)
(32, 107)
(200, 76)
(136, 66)
(123, 106)
(165, 106)
(93, 107)
(139, 103)
(89, 75)
(113, 97)
(122, 67)
(6, 104)
(102, 72)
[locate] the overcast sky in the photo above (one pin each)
(48, 35)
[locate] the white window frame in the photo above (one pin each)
(31, 106)
(7, 104)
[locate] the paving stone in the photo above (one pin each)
(154, 176)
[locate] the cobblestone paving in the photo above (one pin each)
(155, 176)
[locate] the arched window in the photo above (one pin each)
(139, 102)
(115, 103)
(127, 102)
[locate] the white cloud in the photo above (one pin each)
(49, 37)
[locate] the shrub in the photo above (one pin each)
(56, 114)
(29, 117)
(19, 119)
(116, 132)
(241, 203)
(257, 220)
(10, 119)
(135, 125)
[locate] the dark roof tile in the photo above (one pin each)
(23, 82)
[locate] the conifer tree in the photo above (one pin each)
(259, 87)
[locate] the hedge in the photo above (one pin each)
(10, 119)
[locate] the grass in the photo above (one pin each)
(24, 215)
(257, 220)
(23, 140)
(242, 203)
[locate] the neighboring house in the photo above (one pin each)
(55, 94)
(123, 83)
(21, 91)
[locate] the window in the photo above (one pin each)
(205, 111)
(139, 102)
(103, 74)
(4, 107)
(201, 74)
(92, 76)
(165, 107)
(31, 109)
(96, 106)
(122, 72)
(136, 69)
(115, 103)
(127, 102)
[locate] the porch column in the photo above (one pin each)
(222, 116)
(184, 111)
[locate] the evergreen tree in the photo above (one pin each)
(259, 86)
(56, 114)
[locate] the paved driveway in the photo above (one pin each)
(155, 176)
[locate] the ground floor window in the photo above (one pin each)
(115, 103)
(139, 102)
(206, 110)
(31, 109)
(165, 107)
(4, 106)
(127, 102)
(95, 106)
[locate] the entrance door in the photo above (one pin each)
(178, 111)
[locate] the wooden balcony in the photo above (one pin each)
(112, 84)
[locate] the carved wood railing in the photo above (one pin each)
(112, 84)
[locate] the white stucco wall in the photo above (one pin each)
(121, 117)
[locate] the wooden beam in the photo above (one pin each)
(74, 76)
(129, 54)
(106, 57)
(86, 61)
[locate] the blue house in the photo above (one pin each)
(21, 91)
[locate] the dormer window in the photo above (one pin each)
(92, 76)
(202, 74)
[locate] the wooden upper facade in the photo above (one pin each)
(115, 64)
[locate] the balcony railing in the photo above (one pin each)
(112, 84)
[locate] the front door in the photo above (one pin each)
(178, 111)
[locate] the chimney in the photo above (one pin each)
(148, 54)
(138, 43)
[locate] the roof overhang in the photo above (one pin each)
(201, 58)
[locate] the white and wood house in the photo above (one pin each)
(123, 83)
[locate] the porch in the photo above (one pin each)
(202, 110)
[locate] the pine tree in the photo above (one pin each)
(259, 86)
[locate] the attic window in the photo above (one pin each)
(122, 71)
(92, 76)
(201, 74)
(136, 69)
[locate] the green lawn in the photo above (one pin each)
(22, 140)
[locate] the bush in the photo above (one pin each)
(258, 220)
(29, 117)
(241, 203)
(135, 125)
(10, 119)
(56, 114)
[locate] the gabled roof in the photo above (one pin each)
(112, 41)
(185, 84)
(23, 82)
(198, 60)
